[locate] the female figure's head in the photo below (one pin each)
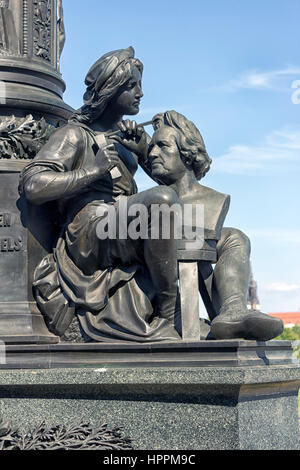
(114, 81)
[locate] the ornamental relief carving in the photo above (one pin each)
(42, 15)
(22, 138)
(74, 436)
(36, 25)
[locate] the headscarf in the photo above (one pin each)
(102, 70)
(100, 85)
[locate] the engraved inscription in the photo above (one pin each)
(9, 244)
(5, 219)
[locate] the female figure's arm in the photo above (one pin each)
(56, 172)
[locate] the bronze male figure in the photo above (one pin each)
(178, 158)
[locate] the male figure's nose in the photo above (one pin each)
(154, 151)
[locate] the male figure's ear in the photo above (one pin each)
(187, 158)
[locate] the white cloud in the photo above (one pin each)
(279, 151)
(283, 287)
(288, 139)
(273, 80)
(281, 236)
(279, 296)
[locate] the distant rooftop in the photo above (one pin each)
(288, 318)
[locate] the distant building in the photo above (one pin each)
(289, 319)
(252, 301)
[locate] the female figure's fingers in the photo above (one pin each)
(128, 126)
(121, 125)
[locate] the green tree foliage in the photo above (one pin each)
(290, 334)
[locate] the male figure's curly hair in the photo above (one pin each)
(190, 142)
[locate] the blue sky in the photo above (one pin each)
(229, 66)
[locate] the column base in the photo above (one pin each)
(22, 323)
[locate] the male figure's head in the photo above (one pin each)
(177, 148)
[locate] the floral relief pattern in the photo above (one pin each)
(22, 138)
(63, 437)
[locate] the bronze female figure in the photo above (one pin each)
(119, 289)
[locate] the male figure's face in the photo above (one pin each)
(164, 156)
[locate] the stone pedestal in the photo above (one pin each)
(20, 252)
(187, 396)
(214, 408)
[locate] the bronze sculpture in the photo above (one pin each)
(79, 267)
(92, 276)
(128, 289)
(61, 27)
(178, 165)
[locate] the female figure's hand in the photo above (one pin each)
(106, 159)
(134, 138)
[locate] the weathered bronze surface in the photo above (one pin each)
(102, 278)
(177, 158)
(74, 164)
(127, 289)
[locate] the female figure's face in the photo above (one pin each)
(127, 100)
